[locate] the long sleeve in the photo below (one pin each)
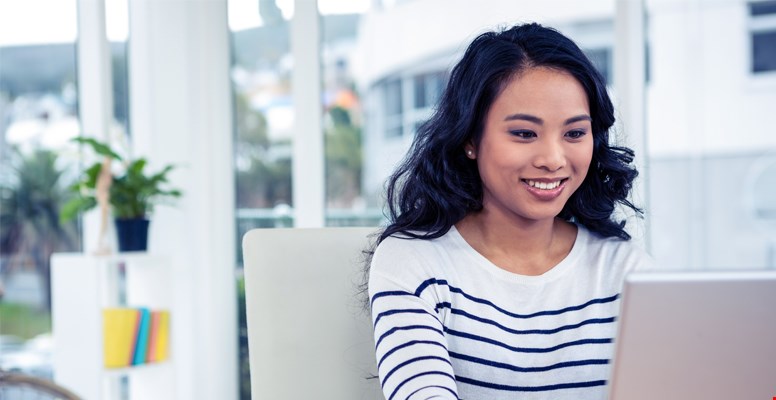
(410, 346)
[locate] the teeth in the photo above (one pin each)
(543, 185)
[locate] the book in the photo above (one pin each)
(119, 326)
(135, 332)
(141, 348)
(163, 337)
(153, 337)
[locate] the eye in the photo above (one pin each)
(576, 134)
(523, 134)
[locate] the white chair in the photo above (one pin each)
(308, 334)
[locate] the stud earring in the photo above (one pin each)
(469, 153)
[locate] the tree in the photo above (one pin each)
(343, 159)
(30, 228)
(261, 180)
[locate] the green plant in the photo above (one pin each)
(133, 194)
(31, 194)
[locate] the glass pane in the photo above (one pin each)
(602, 59)
(264, 117)
(762, 7)
(38, 115)
(261, 76)
(343, 116)
(712, 152)
(428, 87)
(764, 51)
(393, 97)
(117, 30)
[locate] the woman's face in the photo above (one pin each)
(536, 146)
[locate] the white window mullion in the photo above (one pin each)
(307, 172)
(95, 91)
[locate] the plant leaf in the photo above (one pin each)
(98, 147)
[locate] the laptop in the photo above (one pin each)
(696, 335)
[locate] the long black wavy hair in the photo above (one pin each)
(436, 185)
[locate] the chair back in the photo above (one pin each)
(308, 334)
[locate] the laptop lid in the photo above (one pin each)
(696, 335)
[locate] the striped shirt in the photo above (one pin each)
(449, 324)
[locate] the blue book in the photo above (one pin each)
(141, 348)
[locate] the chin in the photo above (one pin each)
(540, 216)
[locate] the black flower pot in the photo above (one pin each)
(132, 234)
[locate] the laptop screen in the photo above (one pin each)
(696, 335)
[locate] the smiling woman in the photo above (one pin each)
(500, 270)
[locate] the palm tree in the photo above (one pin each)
(30, 228)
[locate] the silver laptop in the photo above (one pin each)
(696, 335)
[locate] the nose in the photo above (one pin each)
(549, 156)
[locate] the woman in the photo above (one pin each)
(499, 274)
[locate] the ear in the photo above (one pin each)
(470, 150)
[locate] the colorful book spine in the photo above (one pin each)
(119, 326)
(141, 349)
(134, 336)
(153, 337)
(163, 337)
(135, 331)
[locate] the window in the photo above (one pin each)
(263, 121)
(38, 115)
(763, 29)
(342, 122)
(261, 78)
(394, 124)
(428, 89)
(602, 59)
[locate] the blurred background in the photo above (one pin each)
(700, 117)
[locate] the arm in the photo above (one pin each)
(410, 346)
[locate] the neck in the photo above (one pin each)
(524, 247)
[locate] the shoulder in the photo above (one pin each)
(412, 261)
(397, 253)
(613, 251)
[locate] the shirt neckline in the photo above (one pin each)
(553, 273)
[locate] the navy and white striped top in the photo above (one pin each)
(449, 324)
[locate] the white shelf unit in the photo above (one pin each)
(82, 286)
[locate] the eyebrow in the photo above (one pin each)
(539, 121)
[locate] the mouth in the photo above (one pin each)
(545, 189)
(545, 184)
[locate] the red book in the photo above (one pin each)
(153, 337)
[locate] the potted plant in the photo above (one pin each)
(130, 195)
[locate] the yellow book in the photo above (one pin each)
(119, 326)
(163, 337)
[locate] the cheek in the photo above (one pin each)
(582, 157)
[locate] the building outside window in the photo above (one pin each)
(428, 88)
(394, 116)
(762, 23)
(710, 141)
(602, 59)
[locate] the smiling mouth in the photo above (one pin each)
(544, 185)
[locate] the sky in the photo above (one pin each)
(24, 22)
